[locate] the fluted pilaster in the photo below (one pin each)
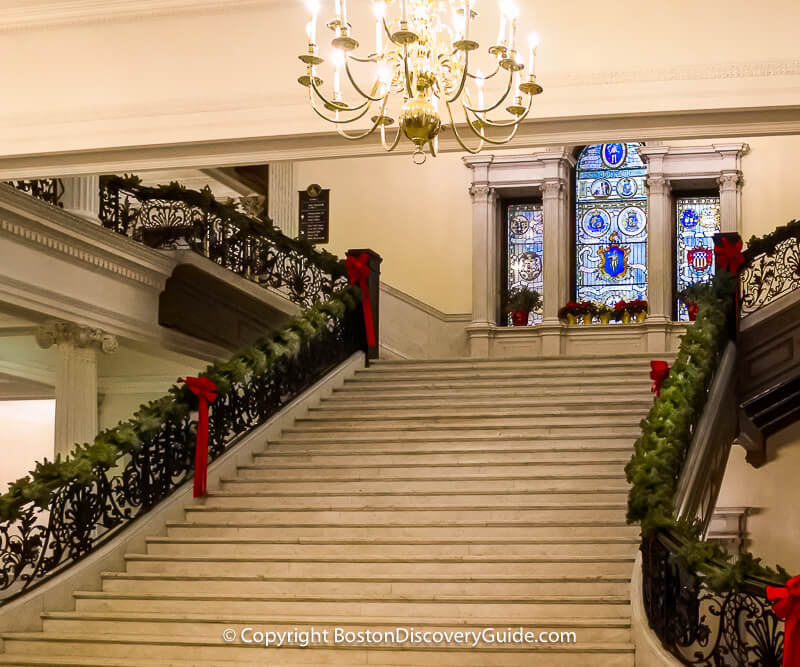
(82, 197)
(283, 206)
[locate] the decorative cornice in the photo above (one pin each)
(77, 335)
(57, 232)
(35, 15)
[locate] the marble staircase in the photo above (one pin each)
(434, 495)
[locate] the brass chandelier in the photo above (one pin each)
(421, 62)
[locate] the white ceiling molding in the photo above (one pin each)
(537, 133)
(45, 14)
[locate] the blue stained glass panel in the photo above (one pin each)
(525, 250)
(697, 220)
(611, 224)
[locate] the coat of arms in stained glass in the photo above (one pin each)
(525, 245)
(611, 224)
(697, 222)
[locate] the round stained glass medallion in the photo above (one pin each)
(519, 225)
(689, 218)
(613, 155)
(632, 221)
(530, 266)
(596, 222)
(600, 188)
(626, 187)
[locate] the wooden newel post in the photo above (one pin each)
(727, 241)
(374, 289)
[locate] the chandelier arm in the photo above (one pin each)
(405, 67)
(463, 80)
(335, 120)
(389, 34)
(365, 133)
(517, 120)
(460, 141)
(486, 76)
(483, 137)
(496, 104)
(358, 88)
(393, 145)
(371, 58)
(325, 100)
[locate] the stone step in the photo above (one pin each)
(634, 382)
(477, 408)
(186, 542)
(269, 501)
(206, 626)
(398, 531)
(398, 457)
(468, 483)
(378, 423)
(418, 516)
(538, 607)
(376, 396)
(422, 566)
(82, 649)
(421, 471)
(576, 373)
(632, 359)
(451, 434)
(385, 588)
(542, 446)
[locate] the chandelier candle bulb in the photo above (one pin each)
(533, 43)
(311, 27)
(379, 9)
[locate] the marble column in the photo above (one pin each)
(283, 200)
(82, 197)
(730, 201)
(659, 249)
(485, 272)
(556, 249)
(76, 379)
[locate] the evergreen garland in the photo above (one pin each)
(111, 445)
(661, 449)
(766, 244)
(205, 201)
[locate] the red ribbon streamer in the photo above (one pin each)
(786, 605)
(206, 392)
(729, 255)
(658, 372)
(358, 271)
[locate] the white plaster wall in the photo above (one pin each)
(27, 432)
(774, 493)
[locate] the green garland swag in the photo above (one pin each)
(766, 244)
(82, 464)
(661, 449)
(205, 201)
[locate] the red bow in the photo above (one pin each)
(692, 307)
(729, 255)
(658, 371)
(787, 608)
(206, 392)
(358, 271)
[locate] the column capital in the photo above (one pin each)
(730, 180)
(77, 335)
(553, 188)
(659, 185)
(481, 191)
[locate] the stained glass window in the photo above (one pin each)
(524, 247)
(697, 221)
(611, 224)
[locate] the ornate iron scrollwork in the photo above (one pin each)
(173, 223)
(50, 190)
(700, 627)
(770, 276)
(40, 543)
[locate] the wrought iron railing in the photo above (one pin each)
(86, 510)
(231, 234)
(172, 217)
(706, 609)
(50, 190)
(772, 269)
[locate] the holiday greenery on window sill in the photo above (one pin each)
(587, 312)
